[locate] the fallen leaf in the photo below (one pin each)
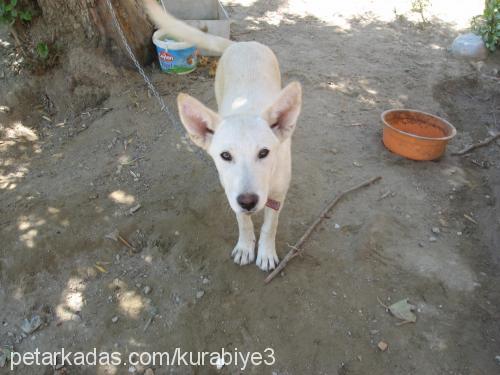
(403, 310)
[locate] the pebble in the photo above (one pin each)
(146, 290)
(497, 358)
(382, 345)
(421, 244)
(459, 233)
(149, 372)
(205, 281)
(132, 369)
(3, 358)
(435, 230)
(432, 239)
(30, 326)
(200, 294)
(337, 226)
(114, 319)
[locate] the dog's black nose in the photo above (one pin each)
(248, 200)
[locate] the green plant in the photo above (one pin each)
(9, 12)
(487, 25)
(42, 49)
(420, 6)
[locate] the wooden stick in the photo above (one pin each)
(486, 142)
(296, 249)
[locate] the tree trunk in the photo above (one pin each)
(79, 22)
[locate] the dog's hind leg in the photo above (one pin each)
(267, 259)
(244, 251)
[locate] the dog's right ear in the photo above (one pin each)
(199, 121)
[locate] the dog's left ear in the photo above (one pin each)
(283, 114)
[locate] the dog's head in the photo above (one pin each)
(244, 147)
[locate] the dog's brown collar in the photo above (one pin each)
(275, 205)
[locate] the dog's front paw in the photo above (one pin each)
(267, 259)
(244, 252)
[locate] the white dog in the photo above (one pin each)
(249, 138)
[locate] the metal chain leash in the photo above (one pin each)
(150, 85)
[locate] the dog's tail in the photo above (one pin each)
(181, 31)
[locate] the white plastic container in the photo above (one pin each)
(175, 57)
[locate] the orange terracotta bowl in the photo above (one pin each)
(416, 135)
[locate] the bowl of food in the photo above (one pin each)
(415, 134)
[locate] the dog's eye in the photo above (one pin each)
(226, 156)
(263, 153)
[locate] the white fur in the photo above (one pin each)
(254, 113)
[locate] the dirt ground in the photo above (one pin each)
(84, 144)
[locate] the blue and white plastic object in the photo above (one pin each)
(175, 57)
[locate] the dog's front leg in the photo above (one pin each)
(244, 252)
(267, 259)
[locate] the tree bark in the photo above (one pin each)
(79, 22)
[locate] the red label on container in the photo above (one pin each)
(165, 56)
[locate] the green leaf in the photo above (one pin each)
(43, 50)
(25, 15)
(13, 3)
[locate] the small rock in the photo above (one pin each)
(132, 369)
(435, 230)
(114, 319)
(149, 372)
(205, 281)
(459, 233)
(146, 290)
(432, 239)
(200, 294)
(134, 209)
(382, 345)
(336, 226)
(3, 358)
(421, 244)
(30, 326)
(497, 358)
